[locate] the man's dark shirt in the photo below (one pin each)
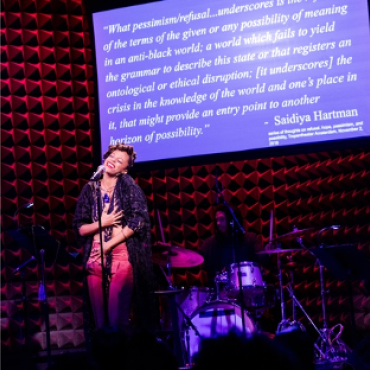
(218, 253)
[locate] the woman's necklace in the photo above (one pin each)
(109, 189)
(107, 192)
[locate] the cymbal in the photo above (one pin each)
(178, 256)
(343, 246)
(169, 291)
(277, 250)
(294, 234)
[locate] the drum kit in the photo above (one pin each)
(241, 297)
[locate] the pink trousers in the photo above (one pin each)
(120, 287)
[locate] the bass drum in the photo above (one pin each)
(215, 319)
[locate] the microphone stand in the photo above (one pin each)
(104, 275)
(42, 289)
(44, 302)
(43, 297)
(21, 269)
(42, 292)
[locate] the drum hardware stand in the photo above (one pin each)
(330, 350)
(239, 273)
(188, 324)
(291, 276)
(327, 344)
(284, 321)
(234, 234)
(171, 292)
(175, 322)
(294, 322)
(323, 337)
(346, 263)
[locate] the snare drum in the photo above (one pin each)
(222, 285)
(188, 300)
(193, 298)
(222, 278)
(215, 319)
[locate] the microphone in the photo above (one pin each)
(98, 174)
(27, 205)
(23, 264)
(331, 227)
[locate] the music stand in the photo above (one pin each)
(345, 262)
(44, 248)
(34, 238)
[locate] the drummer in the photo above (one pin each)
(219, 249)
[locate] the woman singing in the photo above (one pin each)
(126, 245)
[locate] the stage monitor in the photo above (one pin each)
(189, 78)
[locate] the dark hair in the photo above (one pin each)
(122, 148)
(225, 209)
